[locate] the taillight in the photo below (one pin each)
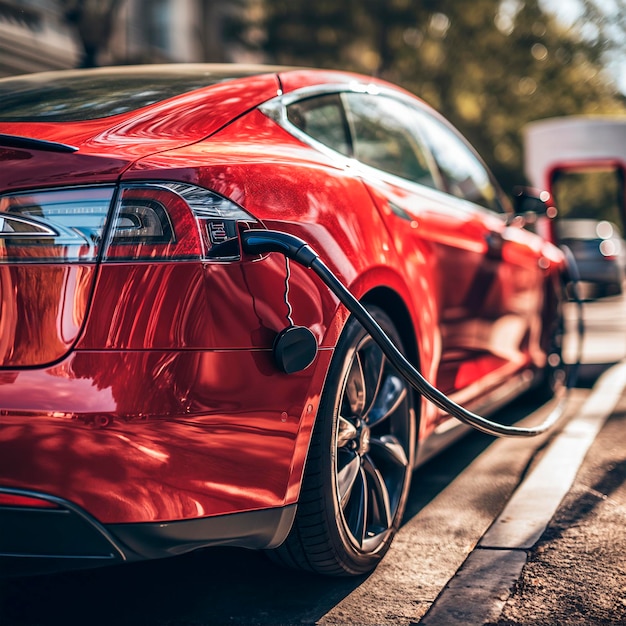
(174, 221)
(60, 226)
(151, 222)
(148, 221)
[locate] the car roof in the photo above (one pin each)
(86, 94)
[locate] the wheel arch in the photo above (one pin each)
(394, 306)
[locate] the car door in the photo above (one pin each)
(505, 297)
(427, 224)
(484, 274)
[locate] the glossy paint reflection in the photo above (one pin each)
(159, 436)
(196, 305)
(110, 143)
(42, 309)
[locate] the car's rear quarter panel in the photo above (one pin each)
(292, 187)
(170, 406)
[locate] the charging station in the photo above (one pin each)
(577, 144)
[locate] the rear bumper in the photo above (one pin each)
(42, 540)
(39, 540)
(152, 437)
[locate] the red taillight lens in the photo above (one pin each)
(17, 500)
(174, 221)
(152, 222)
(58, 226)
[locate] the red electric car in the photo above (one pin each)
(149, 402)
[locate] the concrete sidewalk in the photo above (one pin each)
(556, 556)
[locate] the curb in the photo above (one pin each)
(476, 594)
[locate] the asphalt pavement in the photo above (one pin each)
(556, 555)
(576, 573)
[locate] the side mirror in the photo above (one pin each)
(534, 202)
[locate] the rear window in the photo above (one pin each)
(79, 95)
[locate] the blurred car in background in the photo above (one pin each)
(600, 253)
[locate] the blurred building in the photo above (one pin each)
(35, 35)
(154, 31)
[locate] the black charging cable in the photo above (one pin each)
(266, 241)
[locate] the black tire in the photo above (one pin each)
(360, 460)
(554, 374)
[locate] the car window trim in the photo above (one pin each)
(276, 109)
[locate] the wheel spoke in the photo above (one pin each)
(347, 477)
(355, 388)
(389, 450)
(389, 397)
(379, 506)
(373, 365)
(346, 432)
(357, 508)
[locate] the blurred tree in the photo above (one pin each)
(93, 22)
(211, 19)
(604, 22)
(490, 66)
(591, 194)
(220, 27)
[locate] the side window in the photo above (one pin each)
(384, 138)
(464, 176)
(323, 119)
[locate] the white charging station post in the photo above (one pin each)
(574, 144)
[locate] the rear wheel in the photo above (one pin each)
(360, 461)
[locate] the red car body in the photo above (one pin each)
(141, 410)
